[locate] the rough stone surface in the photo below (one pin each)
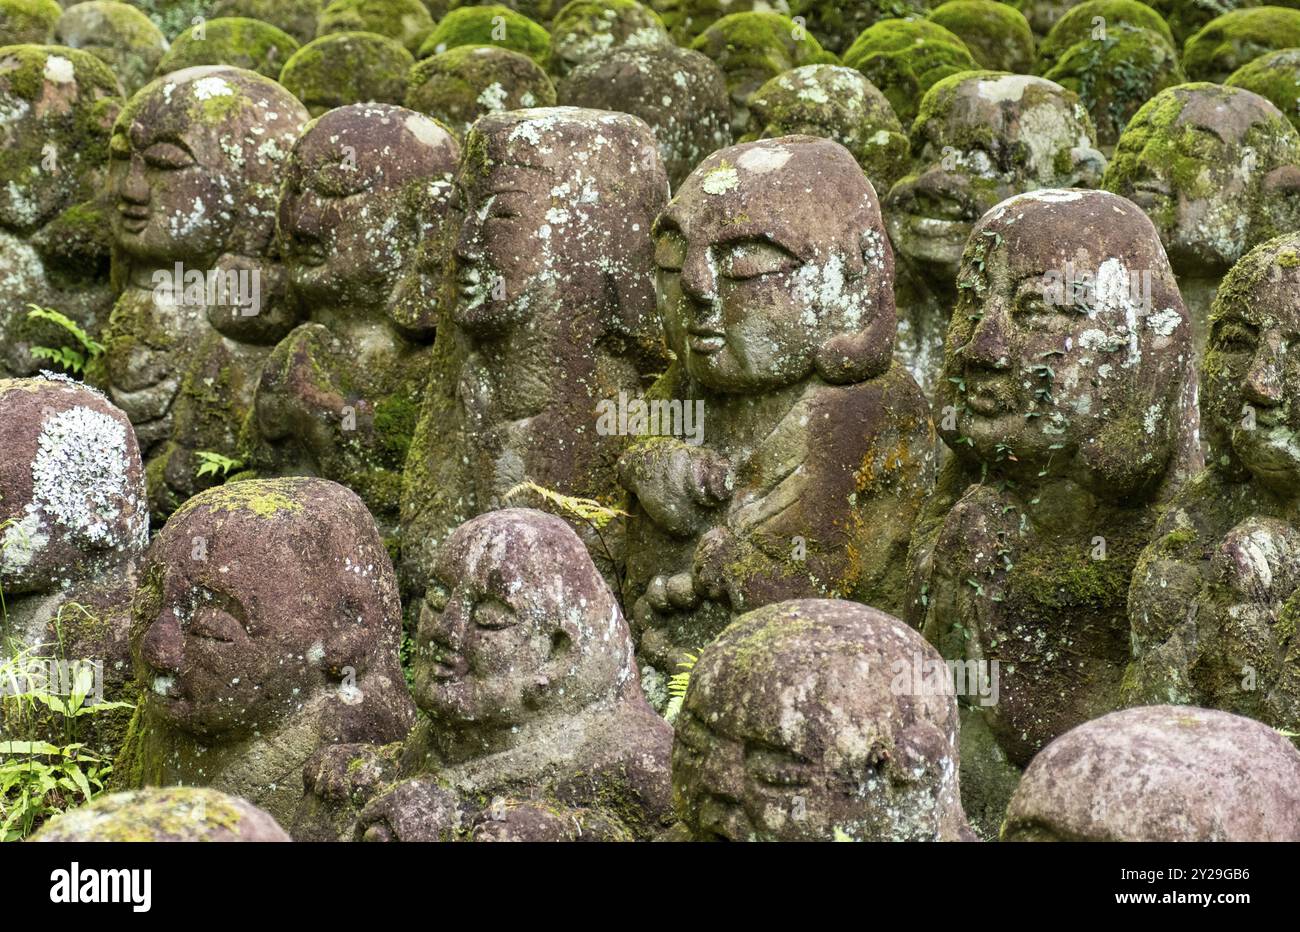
(119, 35)
(182, 813)
(348, 68)
(458, 86)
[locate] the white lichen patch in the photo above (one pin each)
(208, 88)
(764, 159)
(720, 180)
(59, 70)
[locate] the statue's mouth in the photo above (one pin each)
(989, 395)
(445, 663)
(705, 342)
(134, 217)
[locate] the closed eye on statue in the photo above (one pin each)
(336, 181)
(1234, 336)
(777, 767)
(167, 156)
(750, 258)
(214, 624)
(670, 251)
(494, 614)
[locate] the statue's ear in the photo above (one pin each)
(1087, 165)
(1279, 204)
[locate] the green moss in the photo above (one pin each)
(1275, 77)
(997, 36)
(905, 58)
(489, 25)
(265, 498)
(586, 29)
(450, 86)
(1234, 39)
(406, 21)
(347, 68)
(24, 21)
(1078, 25)
(243, 43)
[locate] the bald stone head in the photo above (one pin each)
(176, 813)
(1160, 773)
(803, 721)
(760, 286)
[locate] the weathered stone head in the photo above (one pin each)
(1160, 773)
(405, 21)
(296, 17)
(1229, 41)
(348, 68)
(751, 49)
(72, 503)
(28, 21)
(793, 729)
(979, 139)
(836, 103)
(585, 30)
(996, 34)
(835, 24)
(1216, 170)
(523, 243)
(492, 24)
(266, 601)
(1093, 21)
(517, 626)
(234, 41)
(679, 93)
(759, 287)
(119, 35)
(1276, 78)
(178, 813)
(1042, 15)
(458, 86)
(1069, 344)
(1187, 17)
(905, 58)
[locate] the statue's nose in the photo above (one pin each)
(163, 646)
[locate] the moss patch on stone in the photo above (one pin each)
(348, 68)
(997, 36)
(905, 58)
(1237, 38)
(406, 21)
(489, 25)
(243, 43)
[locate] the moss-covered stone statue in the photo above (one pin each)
(1186, 17)
(117, 34)
(24, 22)
(997, 35)
(176, 813)
(458, 86)
(266, 627)
(1215, 597)
(73, 527)
(810, 453)
(836, 24)
(1116, 74)
(585, 30)
(243, 43)
(1160, 773)
(836, 103)
(340, 395)
(405, 21)
(348, 68)
(1276, 78)
(553, 323)
(1217, 169)
(1042, 15)
(57, 108)
(751, 49)
(905, 58)
(803, 721)
(531, 706)
(979, 138)
(1236, 38)
(1069, 405)
(296, 17)
(1093, 21)
(493, 24)
(198, 157)
(679, 93)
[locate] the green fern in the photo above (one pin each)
(214, 464)
(677, 684)
(585, 508)
(70, 358)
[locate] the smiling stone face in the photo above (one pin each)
(1214, 169)
(792, 730)
(757, 280)
(1066, 339)
(257, 596)
(517, 625)
(979, 139)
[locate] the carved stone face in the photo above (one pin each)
(1207, 164)
(1068, 339)
(57, 107)
(356, 193)
(197, 157)
(541, 220)
(72, 498)
(757, 278)
(1251, 373)
(979, 139)
(792, 730)
(257, 594)
(518, 625)
(1160, 773)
